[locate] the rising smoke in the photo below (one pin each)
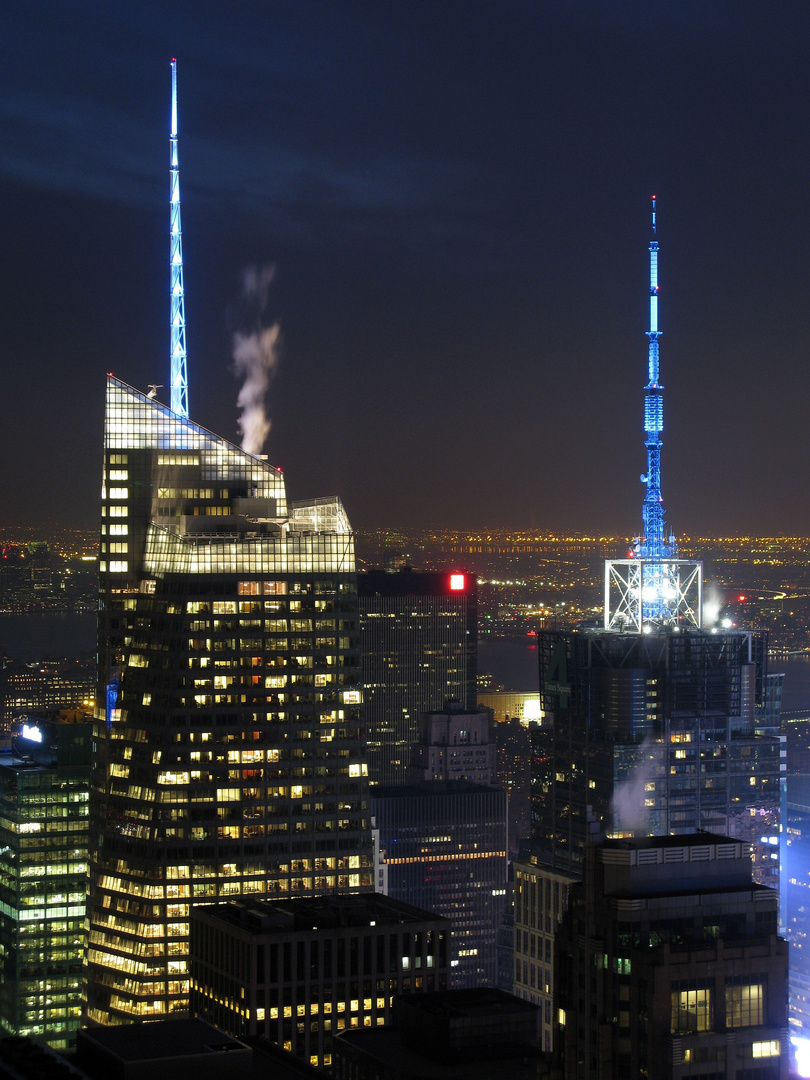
(629, 812)
(255, 356)
(712, 603)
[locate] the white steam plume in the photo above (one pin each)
(629, 811)
(255, 357)
(712, 603)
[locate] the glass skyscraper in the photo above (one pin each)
(419, 641)
(229, 749)
(44, 791)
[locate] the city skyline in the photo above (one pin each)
(454, 200)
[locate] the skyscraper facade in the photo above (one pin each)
(419, 643)
(653, 734)
(647, 734)
(444, 845)
(229, 750)
(44, 793)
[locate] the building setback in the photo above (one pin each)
(301, 971)
(668, 965)
(229, 746)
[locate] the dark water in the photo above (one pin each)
(512, 664)
(47, 636)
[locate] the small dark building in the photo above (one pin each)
(668, 964)
(470, 1034)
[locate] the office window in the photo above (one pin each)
(745, 1004)
(692, 1010)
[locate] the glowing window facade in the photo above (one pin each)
(229, 760)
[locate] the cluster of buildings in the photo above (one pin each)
(284, 819)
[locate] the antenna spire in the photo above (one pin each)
(653, 590)
(179, 376)
(654, 544)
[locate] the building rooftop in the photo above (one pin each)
(455, 1033)
(316, 912)
(166, 1049)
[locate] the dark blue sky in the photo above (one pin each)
(455, 199)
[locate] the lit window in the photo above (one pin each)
(744, 1005)
(692, 1010)
(771, 1048)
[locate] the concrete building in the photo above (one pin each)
(457, 744)
(47, 685)
(230, 749)
(668, 965)
(418, 639)
(540, 900)
(300, 971)
(44, 796)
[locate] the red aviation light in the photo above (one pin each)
(457, 583)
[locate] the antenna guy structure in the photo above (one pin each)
(179, 374)
(653, 589)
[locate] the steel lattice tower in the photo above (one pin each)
(653, 588)
(654, 544)
(179, 375)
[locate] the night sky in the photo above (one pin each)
(455, 198)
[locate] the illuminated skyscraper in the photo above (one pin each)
(230, 753)
(44, 791)
(652, 721)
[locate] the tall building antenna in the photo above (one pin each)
(179, 375)
(654, 544)
(653, 588)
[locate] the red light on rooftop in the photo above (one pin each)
(741, 599)
(457, 583)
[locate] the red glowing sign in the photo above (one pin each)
(456, 582)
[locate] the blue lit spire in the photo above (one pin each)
(653, 591)
(654, 544)
(179, 376)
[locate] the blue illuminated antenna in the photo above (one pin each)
(653, 590)
(654, 544)
(179, 376)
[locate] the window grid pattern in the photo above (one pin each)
(231, 754)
